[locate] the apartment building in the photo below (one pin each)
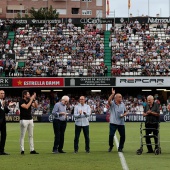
(66, 8)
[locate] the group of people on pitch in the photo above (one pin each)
(81, 113)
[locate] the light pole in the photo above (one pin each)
(21, 10)
(148, 8)
(169, 8)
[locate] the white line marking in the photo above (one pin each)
(121, 156)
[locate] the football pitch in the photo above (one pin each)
(98, 159)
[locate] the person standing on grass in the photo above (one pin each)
(26, 121)
(152, 113)
(3, 110)
(81, 113)
(59, 124)
(117, 114)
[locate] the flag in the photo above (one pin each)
(129, 4)
(108, 8)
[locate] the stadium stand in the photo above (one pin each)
(61, 50)
(128, 49)
(140, 49)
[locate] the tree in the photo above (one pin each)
(43, 13)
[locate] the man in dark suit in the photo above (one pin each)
(3, 110)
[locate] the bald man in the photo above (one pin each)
(152, 113)
(117, 114)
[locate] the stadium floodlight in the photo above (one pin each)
(146, 90)
(58, 90)
(45, 90)
(95, 90)
(160, 89)
(166, 90)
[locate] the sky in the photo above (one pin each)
(139, 8)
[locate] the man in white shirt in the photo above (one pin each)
(81, 113)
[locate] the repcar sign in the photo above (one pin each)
(142, 81)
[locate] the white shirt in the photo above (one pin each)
(82, 119)
(2, 107)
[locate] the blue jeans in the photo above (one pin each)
(121, 130)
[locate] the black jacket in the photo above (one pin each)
(3, 112)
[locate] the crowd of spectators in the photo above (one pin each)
(60, 50)
(97, 103)
(43, 104)
(7, 59)
(134, 105)
(140, 49)
(67, 50)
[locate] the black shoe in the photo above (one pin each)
(4, 153)
(22, 152)
(61, 151)
(34, 152)
(150, 152)
(87, 151)
(120, 150)
(110, 149)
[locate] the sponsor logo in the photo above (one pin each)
(51, 118)
(55, 21)
(132, 80)
(90, 21)
(69, 20)
(121, 20)
(5, 82)
(158, 20)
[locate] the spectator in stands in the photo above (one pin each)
(151, 112)
(117, 114)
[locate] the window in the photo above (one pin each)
(16, 11)
(75, 10)
(99, 13)
(86, 12)
(99, 3)
(61, 11)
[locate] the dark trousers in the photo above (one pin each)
(149, 131)
(59, 130)
(86, 136)
(121, 130)
(2, 136)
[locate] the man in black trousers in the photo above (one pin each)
(3, 110)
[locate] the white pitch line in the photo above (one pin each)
(121, 156)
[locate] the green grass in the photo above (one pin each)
(98, 159)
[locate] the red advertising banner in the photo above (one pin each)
(38, 82)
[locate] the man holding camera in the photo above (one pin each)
(81, 113)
